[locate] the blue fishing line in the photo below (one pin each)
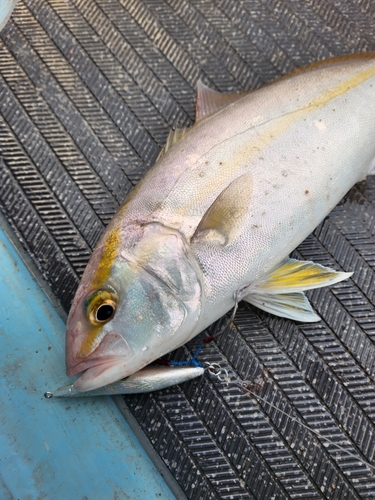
(189, 362)
(193, 361)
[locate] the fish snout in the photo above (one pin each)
(109, 350)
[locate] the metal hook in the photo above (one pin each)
(215, 370)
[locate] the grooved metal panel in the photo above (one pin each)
(88, 92)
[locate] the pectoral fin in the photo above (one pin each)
(224, 220)
(281, 292)
(287, 305)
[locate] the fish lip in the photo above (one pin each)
(101, 374)
(86, 364)
(75, 364)
(98, 370)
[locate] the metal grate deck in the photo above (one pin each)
(88, 92)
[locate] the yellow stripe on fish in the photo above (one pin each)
(206, 183)
(98, 299)
(110, 251)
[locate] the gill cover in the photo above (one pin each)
(146, 304)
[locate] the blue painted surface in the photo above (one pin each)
(6, 8)
(56, 449)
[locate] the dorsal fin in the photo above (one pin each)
(210, 101)
(173, 137)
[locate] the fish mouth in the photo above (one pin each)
(108, 363)
(88, 364)
(99, 373)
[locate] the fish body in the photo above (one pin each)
(214, 220)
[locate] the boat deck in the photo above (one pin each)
(88, 92)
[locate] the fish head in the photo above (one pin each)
(135, 303)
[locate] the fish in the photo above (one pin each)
(149, 379)
(214, 220)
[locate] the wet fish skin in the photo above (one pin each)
(217, 216)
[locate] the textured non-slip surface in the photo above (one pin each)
(88, 92)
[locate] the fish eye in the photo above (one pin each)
(104, 312)
(100, 306)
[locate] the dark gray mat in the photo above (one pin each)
(88, 92)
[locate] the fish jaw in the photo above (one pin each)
(110, 350)
(113, 360)
(110, 361)
(99, 375)
(104, 366)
